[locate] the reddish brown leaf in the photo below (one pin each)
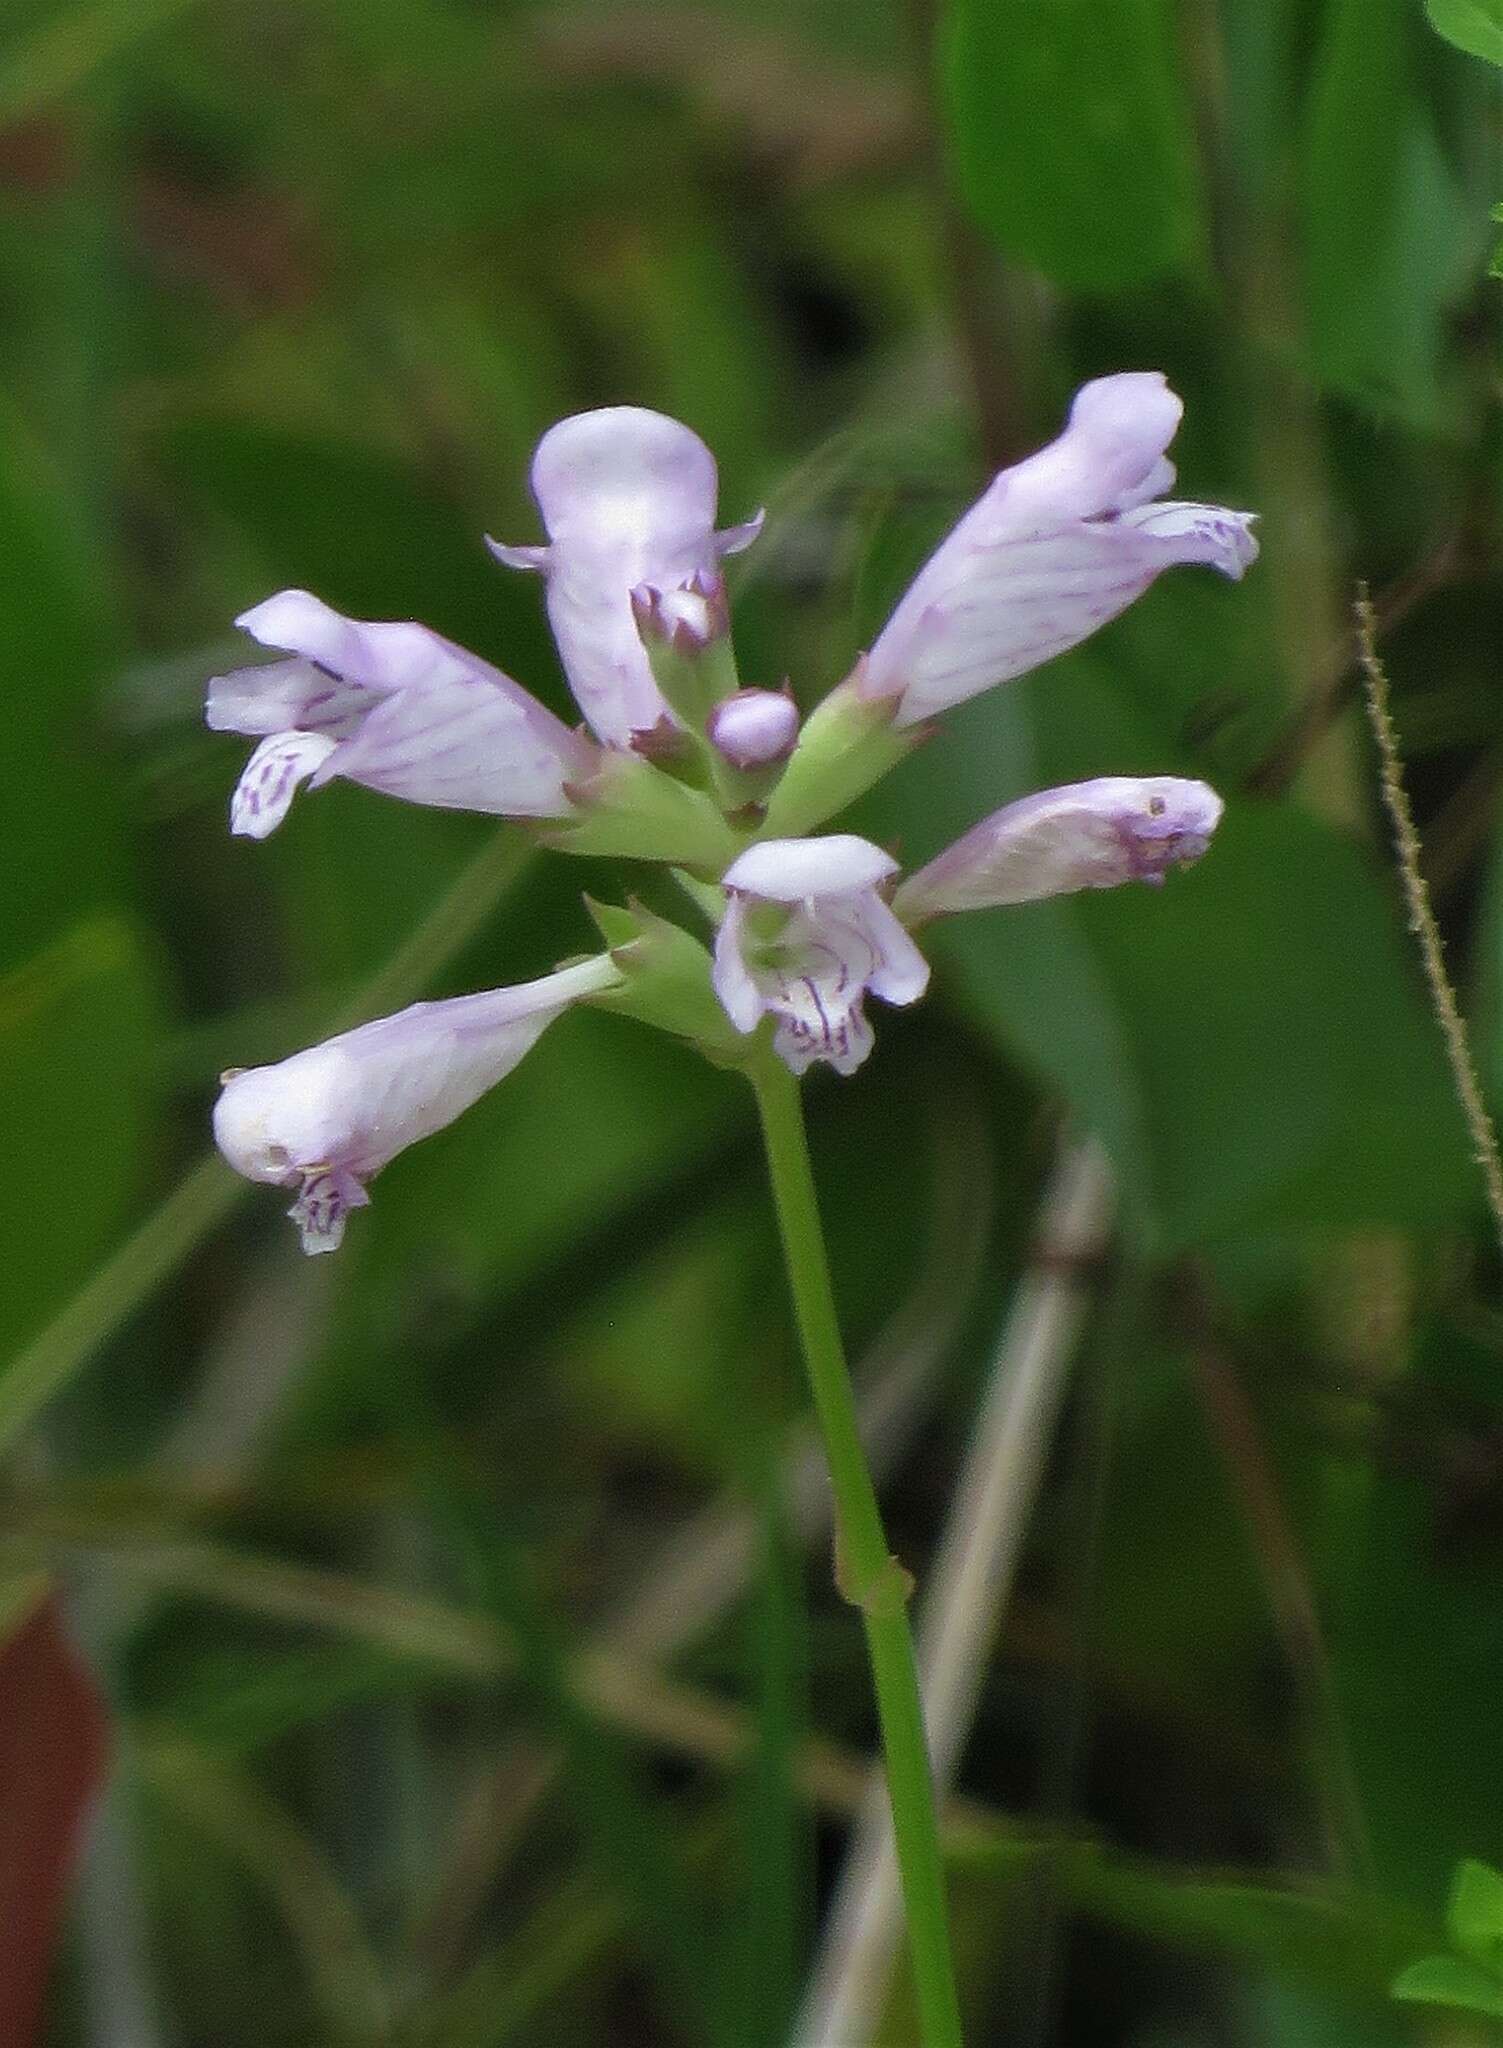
(53, 1746)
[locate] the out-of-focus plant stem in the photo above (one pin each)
(869, 1575)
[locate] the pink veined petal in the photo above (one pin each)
(734, 540)
(1162, 477)
(814, 972)
(790, 870)
(277, 695)
(1010, 607)
(527, 556)
(462, 745)
(1209, 533)
(381, 655)
(300, 623)
(807, 1032)
(629, 474)
(1086, 835)
(628, 498)
(270, 780)
(738, 993)
(1109, 455)
(324, 1201)
(416, 716)
(1058, 545)
(902, 973)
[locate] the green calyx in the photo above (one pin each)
(665, 980)
(848, 743)
(630, 809)
(687, 637)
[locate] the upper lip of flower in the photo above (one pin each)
(628, 498)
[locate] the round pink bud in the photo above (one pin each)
(754, 728)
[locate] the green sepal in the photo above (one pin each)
(707, 897)
(1449, 1980)
(666, 980)
(848, 743)
(693, 675)
(1474, 1913)
(631, 809)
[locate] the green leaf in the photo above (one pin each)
(78, 1032)
(1070, 132)
(1419, 1666)
(1474, 1913)
(1446, 1980)
(1475, 26)
(1387, 244)
(44, 62)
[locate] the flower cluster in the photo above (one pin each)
(681, 764)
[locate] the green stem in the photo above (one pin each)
(868, 1574)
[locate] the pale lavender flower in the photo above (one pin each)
(327, 1119)
(1086, 835)
(805, 935)
(628, 498)
(1055, 548)
(754, 728)
(393, 706)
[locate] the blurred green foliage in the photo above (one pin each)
(287, 294)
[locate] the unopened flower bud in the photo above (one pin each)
(688, 619)
(1086, 835)
(685, 631)
(754, 728)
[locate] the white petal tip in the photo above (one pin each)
(525, 556)
(790, 870)
(323, 1203)
(735, 538)
(265, 791)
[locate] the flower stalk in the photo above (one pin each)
(869, 1576)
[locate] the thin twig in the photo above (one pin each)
(970, 1584)
(1421, 917)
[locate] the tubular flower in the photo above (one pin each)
(804, 936)
(393, 706)
(1055, 548)
(1086, 835)
(326, 1120)
(628, 499)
